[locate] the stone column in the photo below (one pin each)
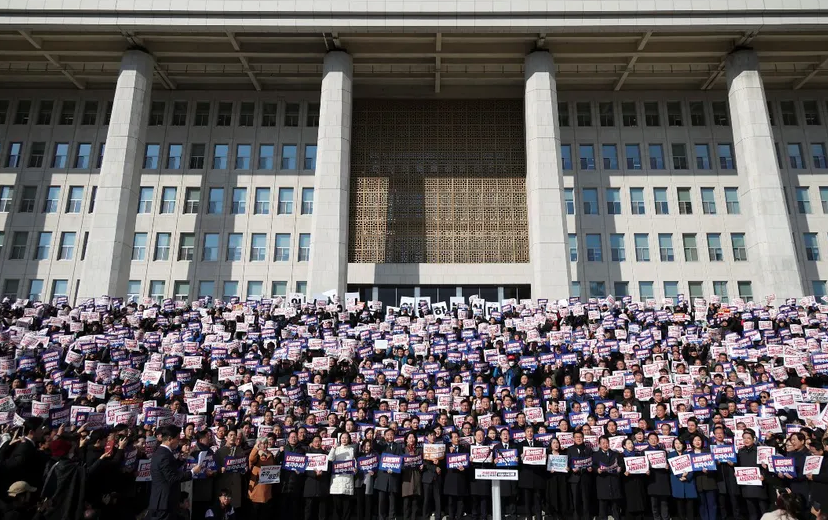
(328, 267)
(109, 251)
(769, 236)
(548, 254)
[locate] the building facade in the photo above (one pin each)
(530, 154)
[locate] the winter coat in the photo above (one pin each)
(412, 478)
(342, 484)
(456, 482)
(607, 484)
(682, 488)
(316, 485)
(747, 459)
(231, 481)
(658, 483)
(259, 493)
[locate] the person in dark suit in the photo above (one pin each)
(607, 465)
(388, 484)
(167, 474)
(580, 480)
(481, 490)
(25, 462)
(432, 482)
(531, 478)
(456, 484)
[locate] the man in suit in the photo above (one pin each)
(25, 461)
(532, 478)
(167, 475)
(432, 482)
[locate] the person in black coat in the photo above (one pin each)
(580, 480)
(798, 484)
(658, 484)
(756, 498)
(432, 481)
(167, 474)
(317, 486)
(531, 478)
(388, 484)
(729, 490)
(819, 482)
(634, 486)
(456, 484)
(557, 490)
(481, 490)
(508, 488)
(607, 466)
(24, 461)
(292, 482)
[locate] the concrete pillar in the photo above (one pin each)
(106, 268)
(328, 267)
(769, 235)
(548, 252)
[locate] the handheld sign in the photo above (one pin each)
(505, 458)
(636, 465)
(681, 465)
(270, 474)
(533, 456)
(316, 462)
(235, 464)
(557, 464)
(294, 462)
(392, 463)
(142, 474)
(657, 459)
(457, 460)
(783, 466)
(748, 476)
(369, 463)
(723, 453)
(812, 465)
(702, 462)
(481, 454)
(344, 467)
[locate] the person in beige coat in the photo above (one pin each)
(342, 485)
(260, 494)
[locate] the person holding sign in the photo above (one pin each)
(364, 480)
(798, 484)
(756, 499)
(729, 491)
(557, 490)
(683, 486)
(292, 481)
(508, 488)
(706, 486)
(342, 483)
(658, 485)
(387, 484)
(456, 484)
(432, 478)
(580, 480)
(317, 485)
(818, 480)
(167, 475)
(411, 475)
(634, 485)
(259, 494)
(532, 475)
(607, 466)
(480, 489)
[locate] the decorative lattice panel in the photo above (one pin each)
(438, 182)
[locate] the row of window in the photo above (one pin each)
(591, 204)
(593, 244)
(51, 203)
(177, 113)
(216, 201)
(646, 290)
(210, 247)
(606, 113)
(43, 246)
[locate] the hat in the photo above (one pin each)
(19, 488)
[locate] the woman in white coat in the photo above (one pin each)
(342, 484)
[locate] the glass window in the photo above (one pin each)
(575, 289)
(262, 206)
(192, 200)
(27, 199)
(269, 114)
(258, 247)
(216, 204)
(313, 115)
(246, 110)
(243, 157)
(157, 290)
(220, 152)
(642, 247)
(67, 113)
(725, 156)
(714, 247)
(6, 195)
(811, 109)
(671, 291)
(811, 247)
(651, 115)
(210, 249)
(708, 197)
(13, 158)
(44, 112)
(732, 201)
(621, 289)
(665, 247)
(52, 202)
(278, 288)
(18, 248)
(637, 201)
(163, 242)
(606, 113)
(573, 247)
(593, 247)
(254, 289)
(569, 200)
(292, 114)
(563, 113)
(795, 156)
(691, 253)
(660, 197)
(83, 155)
(818, 287)
(61, 156)
(133, 290)
(685, 204)
(656, 156)
(44, 243)
(304, 247)
(36, 154)
(702, 157)
(181, 290)
(674, 114)
(186, 247)
(174, 153)
(197, 152)
(310, 156)
(818, 155)
(225, 114)
(202, 114)
(737, 240)
(67, 246)
(584, 113)
(35, 290)
(679, 156)
(613, 201)
(788, 110)
(75, 201)
(153, 151)
(803, 200)
(282, 247)
(179, 117)
(745, 290)
(90, 113)
(231, 290)
(618, 252)
(566, 156)
(156, 117)
(629, 114)
(609, 153)
(720, 115)
(285, 206)
(823, 198)
(60, 288)
(239, 201)
(586, 154)
(695, 290)
(301, 286)
(235, 242)
(720, 290)
(288, 156)
(307, 201)
(597, 289)
(168, 196)
(206, 289)
(645, 290)
(590, 201)
(24, 109)
(139, 246)
(266, 157)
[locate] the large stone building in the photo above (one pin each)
(413, 148)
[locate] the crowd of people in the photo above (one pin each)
(345, 410)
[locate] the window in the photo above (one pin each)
(44, 243)
(133, 290)
(312, 120)
(660, 197)
(720, 116)
(35, 290)
(285, 206)
(139, 246)
(563, 113)
(186, 247)
(157, 289)
(645, 290)
(685, 205)
(254, 289)
(702, 157)
(67, 246)
(618, 252)
(304, 247)
(282, 247)
(788, 110)
(575, 289)
(572, 239)
(310, 157)
(210, 249)
(269, 114)
(231, 290)
(258, 247)
(67, 113)
(811, 247)
(823, 198)
(613, 201)
(665, 247)
(795, 156)
(179, 116)
(292, 114)
(590, 201)
(725, 156)
(36, 154)
(584, 114)
(714, 247)
(708, 197)
(202, 114)
(637, 201)
(197, 151)
(671, 291)
(192, 198)
(606, 114)
(569, 200)
(679, 156)
(745, 290)
(24, 109)
(691, 253)
(206, 289)
(151, 155)
(10, 288)
(566, 156)
(101, 150)
(239, 201)
(85, 243)
(586, 154)
(609, 153)
(811, 110)
(818, 155)
(651, 115)
(181, 290)
(307, 201)
(288, 156)
(156, 117)
(83, 155)
(243, 157)
(13, 159)
(695, 290)
(6, 195)
(60, 288)
(597, 289)
(642, 247)
(220, 152)
(803, 201)
(737, 240)
(52, 202)
(216, 204)
(656, 156)
(674, 115)
(621, 289)
(19, 241)
(73, 205)
(235, 241)
(266, 157)
(168, 196)
(262, 206)
(44, 112)
(593, 247)
(163, 242)
(278, 288)
(301, 286)
(720, 290)
(246, 110)
(174, 153)
(27, 199)
(629, 115)
(818, 287)
(224, 117)
(59, 160)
